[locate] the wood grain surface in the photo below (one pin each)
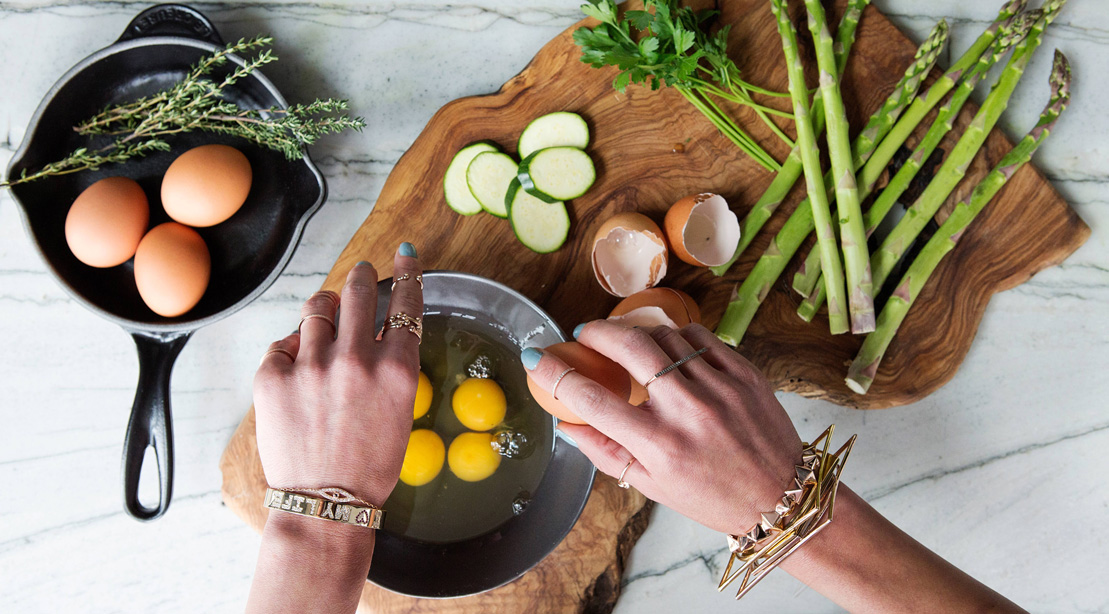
(652, 148)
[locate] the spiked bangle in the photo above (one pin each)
(803, 511)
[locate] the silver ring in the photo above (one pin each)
(554, 389)
(675, 365)
(620, 481)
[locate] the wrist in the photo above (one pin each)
(311, 535)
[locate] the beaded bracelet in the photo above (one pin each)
(804, 510)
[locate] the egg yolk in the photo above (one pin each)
(423, 397)
(423, 460)
(479, 404)
(472, 458)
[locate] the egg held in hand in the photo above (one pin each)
(424, 395)
(206, 185)
(423, 459)
(472, 457)
(172, 269)
(479, 404)
(589, 363)
(106, 222)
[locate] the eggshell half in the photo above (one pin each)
(589, 363)
(629, 254)
(206, 185)
(702, 230)
(106, 222)
(657, 307)
(172, 269)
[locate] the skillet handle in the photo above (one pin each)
(150, 424)
(172, 20)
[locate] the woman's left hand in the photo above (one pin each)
(334, 404)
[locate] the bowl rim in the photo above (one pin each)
(185, 324)
(384, 292)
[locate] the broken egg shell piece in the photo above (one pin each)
(629, 254)
(702, 230)
(657, 307)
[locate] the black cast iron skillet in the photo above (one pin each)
(248, 251)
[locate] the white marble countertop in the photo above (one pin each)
(1001, 471)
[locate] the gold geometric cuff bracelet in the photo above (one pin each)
(332, 506)
(805, 509)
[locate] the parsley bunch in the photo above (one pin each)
(669, 45)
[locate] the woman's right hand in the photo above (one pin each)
(712, 443)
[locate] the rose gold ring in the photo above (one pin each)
(554, 389)
(316, 315)
(277, 351)
(406, 276)
(403, 320)
(620, 481)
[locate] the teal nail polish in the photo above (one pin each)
(530, 357)
(578, 329)
(362, 263)
(407, 249)
(570, 440)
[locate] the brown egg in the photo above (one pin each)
(206, 185)
(702, 230)
(172, 269)
(106, 222)
(629, 254)
(657, 307)
(588, 363)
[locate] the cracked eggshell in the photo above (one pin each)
(657, 307)
(629, 254)
(702, 230)
(587, 362)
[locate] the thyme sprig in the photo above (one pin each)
(196, 103)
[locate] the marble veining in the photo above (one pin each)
(1013, 444)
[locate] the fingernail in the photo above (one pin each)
(578, 329)
(362, 263)
(407, 250)
(570, 440)
(530, 357)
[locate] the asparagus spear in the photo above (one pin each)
(808, 277)
(865, 366)
(792, 168)
(830, 261)
(856, 258)
(954, 168)
(1009, 36)
(754, 289)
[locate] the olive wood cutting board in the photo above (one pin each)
(652, 148)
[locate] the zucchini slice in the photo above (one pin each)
(553, 130)
(541, 226)
(455, 189)
(488, 177)
(557, 173)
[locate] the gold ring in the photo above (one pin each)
(403, 320)
(620, 481)
(675, 365)
(316, 315)
(406, 276)
(277, 351)
(554, 389)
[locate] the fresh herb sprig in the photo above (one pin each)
(196, 103)
(667, 45)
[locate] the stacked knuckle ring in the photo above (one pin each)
(321, 316)
(403, 320)
(406, 276)
(277, 351)
(620, 481)
(558, 380)
(675, 365)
